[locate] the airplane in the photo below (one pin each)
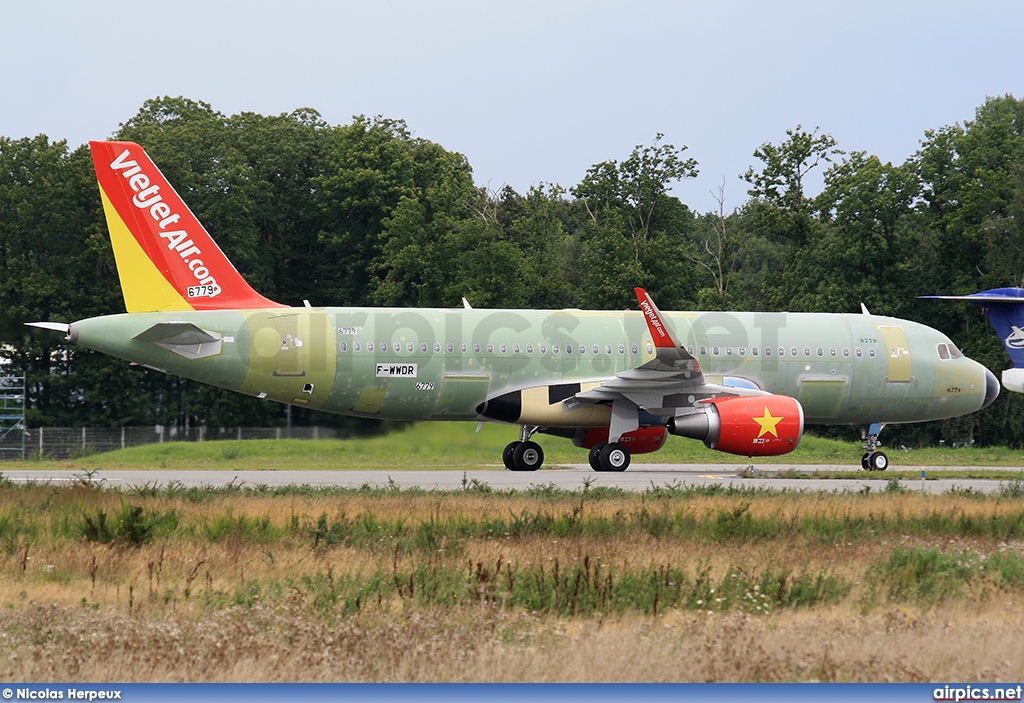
(1004, 308)
(616, 383)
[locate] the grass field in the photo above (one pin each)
(459, 445)
(681, 584)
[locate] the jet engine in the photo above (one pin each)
(761, 425)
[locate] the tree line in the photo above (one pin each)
(367, 213)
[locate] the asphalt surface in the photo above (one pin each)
(639, 477)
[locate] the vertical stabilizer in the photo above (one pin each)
(166, 260)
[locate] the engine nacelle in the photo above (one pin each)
(760, 425)
(642, 440)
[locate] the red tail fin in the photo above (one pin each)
(166, 260)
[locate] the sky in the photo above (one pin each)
(530, 91)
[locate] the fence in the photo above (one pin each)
(66, 442)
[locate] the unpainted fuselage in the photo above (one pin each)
(444, 364)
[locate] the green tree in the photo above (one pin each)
(784, 211)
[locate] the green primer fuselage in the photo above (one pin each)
(442, 364)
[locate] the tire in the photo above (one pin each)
(528, 456)
(614, 457)
(595, 453)
(506, 455)
(864, 462)
(878, 461)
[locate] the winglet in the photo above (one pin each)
(662, 335)
(165, 259)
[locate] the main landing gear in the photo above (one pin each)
(873, 460)
(523, 455)
(526, 455)
(609, 456)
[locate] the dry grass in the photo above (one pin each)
(244, 588)
(51, 643)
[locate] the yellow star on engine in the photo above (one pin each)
(768, 424)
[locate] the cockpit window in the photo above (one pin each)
(949, 351)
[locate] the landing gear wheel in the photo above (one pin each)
(864, 462)
(878, 462)
(506, 455)
(595, 453)
(528, 456)
(613, 457)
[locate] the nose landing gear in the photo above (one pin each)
(873, 460)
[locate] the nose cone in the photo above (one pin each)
(991, 388)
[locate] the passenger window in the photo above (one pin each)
(437, 347)
(463, 348)
(529, 349)
(355, 346)
(622, 350)
(543, 348)
(516, 348)
(343, 347)
(635, 349)
(423, 347)
(369, 346)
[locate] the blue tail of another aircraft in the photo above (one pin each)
(1005, 310)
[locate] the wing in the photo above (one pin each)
(665, 385)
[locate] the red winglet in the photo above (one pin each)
(663, 338)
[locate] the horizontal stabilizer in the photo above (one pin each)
(996, 296)
(183, 338)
